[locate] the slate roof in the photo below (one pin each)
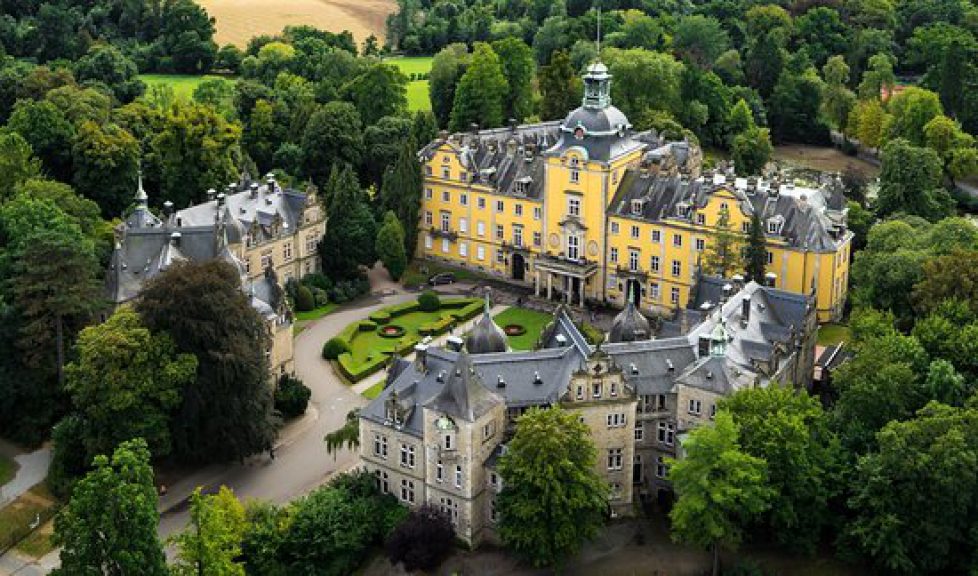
(808, 217)
(486, 337)
(463, 395)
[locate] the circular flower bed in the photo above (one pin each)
(514, 330)
(390, 331)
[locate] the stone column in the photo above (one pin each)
(536, 283)
(550, 285)
(583, 282)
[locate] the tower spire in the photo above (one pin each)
(598, 41)
(141, 197)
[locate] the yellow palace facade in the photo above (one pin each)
(587, 209)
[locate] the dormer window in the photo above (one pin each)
(682, 210)
(637, 207)
(774, 226)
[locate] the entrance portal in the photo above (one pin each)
(634, 289)
(519, 266)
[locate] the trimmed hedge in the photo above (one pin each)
(429, 301)
(367, 326)
(437, 327)
(467, 312)
(381, 317)
(402, 309)
(356, 372)
(335, 347)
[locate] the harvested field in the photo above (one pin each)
(822, 158)
(240, 20)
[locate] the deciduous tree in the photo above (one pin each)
(106, 161)
(751, 151)
(390, 245)
(911, 182)
(560, 87)
(481, 92)
(211, 543)
(519, 68)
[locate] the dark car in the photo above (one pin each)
(443, 278)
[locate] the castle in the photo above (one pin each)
(587, 209)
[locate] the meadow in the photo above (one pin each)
(417, 91)
(183, 86)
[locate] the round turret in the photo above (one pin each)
(486, 337)
(630, 325)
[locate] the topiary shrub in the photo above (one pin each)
(304, 300)
(380, 317)
(367, 326)
(429, 301)
(334, 347)
(291, 397)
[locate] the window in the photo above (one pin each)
(492, 510)
(537, 213)
(713, 411)
(499, 256)
(677, 240)
(616, 419)
(695, 406)
(575, 176)
(614, 389)
(446, 196)
(384, 478)
(639, 431)
(407, 491)
(654, 290)
(287, 252)
(500, 206)
(614, 459)
(677, 268)
(428, 193)
(654, 264)
(745, 227)
(440, 472)
(481, 203)
(489, 430)
(380, 446)
(614, 227)
(596, 389)
(616, 490)
(667, 433)
(450, 507)
(429, 219)
(518, 209)
(580, 392)
(448, 442)
(614, 255)
(537, 239)
(499, 232)
(494, 480)
(660, 467)
(700, 219)
(573, 248)
(480, 228)
(656, 236)
(770, 257)
(518, 236)
(574, 207)
(633, 260)
(446, 221)
(311, 242)
(772, 227)
(427, 241)
(446, 173)
(463, 249)
(458, 476)
(480, 252)
(635, 232)
(674, 295)
(463, 225)
(463, 199)
(637, 469)
(445, 246)
(700, 244)
(427, 170)
(661, 398)
(407, 455)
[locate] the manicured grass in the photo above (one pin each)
(418, 96)
(368, 345)
(7, 469)
(374, 391)
(829, 334)
(316, 313)
(412, 64)
(417, 90)
(183, 86)
(533, 321)
(16, 517)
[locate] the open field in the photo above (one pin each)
(240, 20)
(824, 158)
(183, 86)
(417, 90)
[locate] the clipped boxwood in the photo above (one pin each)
(304, 299)
(467, 312)
(402, 309)
(335, 347)
(381, 317)
(429, 301)
(436, 327)
(355, 372)
(367, 326)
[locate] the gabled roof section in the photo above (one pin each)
(463, 395)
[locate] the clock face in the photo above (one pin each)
(555, 240)
(592, 248)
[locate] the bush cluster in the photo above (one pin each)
(429, 301)
(291, 397)
(334, 347)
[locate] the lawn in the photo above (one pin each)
(374, 391)
(417, 90)
(7, 469)
(533, 321)
(183, 86)
(316, 313)
(829, 334)
(16, 517)
(367, 345)
(39, 542)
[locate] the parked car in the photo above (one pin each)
(443, 278)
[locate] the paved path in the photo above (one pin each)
(32, 468)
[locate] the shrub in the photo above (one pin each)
(422, 540)
(347, 290)
(304, 300)
(436, 327)
(316, 280)
(429, 301)
(402, 309)
(291, 288)
(291, 397)
(319, 295)
(334, 347)
(591, 333)
(380, 317)
(367, 326)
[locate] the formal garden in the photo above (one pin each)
(364, 347)
(522, 327)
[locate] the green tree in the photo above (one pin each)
(820, 33)
(722, 254)
(878, 78)
(81, 105)
(401, 193)
(866, 122)
(795, 107)
(911, 182)
(699, 40)
(481, 92)
(560, 87)
(106, 161)
(106, 64)
(447, 67)
(837, 99)
(382, 144)
(211, 544)
(944, 384)
(755, 252)
(390, 245)
(333, 138)
(519, 68)
(125, 382)
(49, 134)
(740, 118)
(644, 81)
(227, 412)
(381, 90)
(109, 525)
(552, 499)
(910, 111)
(751, 151)
(17, 163)
(788, 429)
(948, 277)
(349, 241)
(348, 435)
(265, 132)
(218, 93)
(720, 488)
